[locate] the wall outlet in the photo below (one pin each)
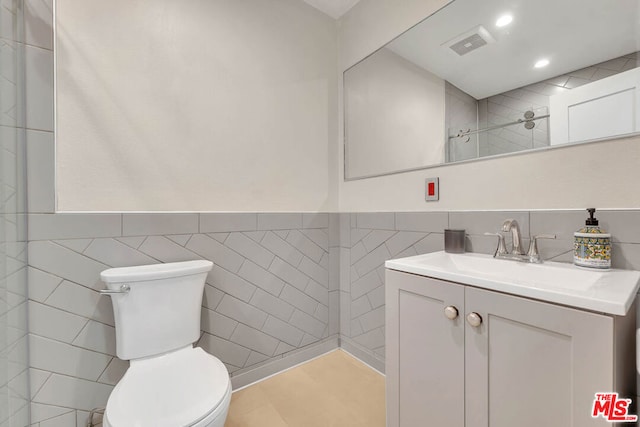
(432, 193)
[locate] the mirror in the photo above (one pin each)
(490, 78)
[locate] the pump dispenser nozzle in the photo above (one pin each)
(591, 220)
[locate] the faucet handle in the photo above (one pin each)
(533, 246)
(502, 248)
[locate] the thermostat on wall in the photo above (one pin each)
(431, 190)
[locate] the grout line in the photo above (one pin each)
(104, 370)
(50, 374)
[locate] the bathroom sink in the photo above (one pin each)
(608, 291)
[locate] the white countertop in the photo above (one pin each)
(607, 291)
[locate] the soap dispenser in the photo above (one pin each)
(592, 245)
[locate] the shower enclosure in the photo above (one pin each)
(14, 381)
(494, 134)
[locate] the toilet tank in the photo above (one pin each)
(161, 310)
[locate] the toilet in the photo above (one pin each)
(169, 383)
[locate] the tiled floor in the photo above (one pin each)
(334, 390)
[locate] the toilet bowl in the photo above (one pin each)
(169, 383)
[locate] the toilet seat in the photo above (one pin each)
(182, 388)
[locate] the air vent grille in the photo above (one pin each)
(470, 40)
(469, 44)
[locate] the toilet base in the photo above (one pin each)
(215, 418)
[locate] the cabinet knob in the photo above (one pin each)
(450, 312)
(474, 319)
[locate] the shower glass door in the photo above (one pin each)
(14, 381)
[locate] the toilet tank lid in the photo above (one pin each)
(155, 271)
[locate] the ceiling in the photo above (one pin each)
(571, 34)
(333, 8)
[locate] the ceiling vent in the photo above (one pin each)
(470, 40)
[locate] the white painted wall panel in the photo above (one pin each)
(194, 105)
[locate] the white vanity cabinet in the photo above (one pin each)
(527, 364)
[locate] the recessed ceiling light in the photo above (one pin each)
(504, 20)
(541, 63)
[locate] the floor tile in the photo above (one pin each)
(335, 390)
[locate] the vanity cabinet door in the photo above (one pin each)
(424, 351)
(534, 364)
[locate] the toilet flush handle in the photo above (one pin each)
(124, 289)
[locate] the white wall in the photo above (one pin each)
(393, 107)
(604, 174)
(197, 105)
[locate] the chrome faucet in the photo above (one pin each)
(517, 254)
(512, 226)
